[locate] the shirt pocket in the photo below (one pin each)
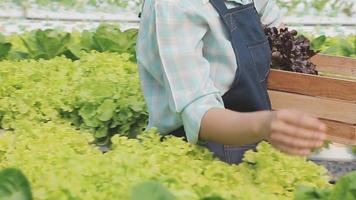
(261, 55)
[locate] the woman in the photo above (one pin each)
(203, 67)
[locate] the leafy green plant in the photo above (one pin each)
(344, 189)
(109, 99)
(60, 163)
(14, 185)
(308, 193)
(67, 3)
(100, 93)
(278, 178)
(16, 2)
(341, 46)
(5, 47)
(109, 38)
(151, 190)
(74, 3)
(290, 52)
(321, 6)
(46, 44)
(317, 43)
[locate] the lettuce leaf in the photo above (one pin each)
(46, 44)
(5, 47)
(344, 189)
(14, 185)
(151, 190)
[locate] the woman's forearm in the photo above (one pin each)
(234, 128)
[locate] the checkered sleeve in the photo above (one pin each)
(186, 73)
(269, 12)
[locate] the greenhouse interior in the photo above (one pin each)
(178, 100)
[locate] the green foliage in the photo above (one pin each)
(309, 193)
(46, 44)
(15, 2)
(112, 39)
(14, 185)
(60, 164)
(109, 38)
(68, 3)
(340, 46)
(323, 7)
(18, 50)
(280, 179)
(100, 93)
(344, 189)
(50, 43)
(5, 47)
(318, 42)
(151, 190)
(71, 3)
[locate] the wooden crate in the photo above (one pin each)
(332, 99)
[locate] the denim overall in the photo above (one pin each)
(248, 92)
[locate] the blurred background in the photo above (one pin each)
(329, 17)
(332, 20)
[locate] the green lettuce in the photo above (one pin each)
(151, 190)
(14, 185)
(61, 164)
(5, 47)
(46, 44)
(345, 189)
(100, 93)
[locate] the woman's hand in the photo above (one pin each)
(290, 131)
(295, 132)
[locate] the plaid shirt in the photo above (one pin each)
(186, 62)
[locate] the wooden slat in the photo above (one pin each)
(342, 140)
(335, 64)
(312, 85)
(330, 109)
(341, 132)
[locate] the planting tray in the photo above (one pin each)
(338, 159)
(330, 96)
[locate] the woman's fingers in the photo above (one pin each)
(298, 132)
(292, 151)
(301, 119)
(294, 142)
